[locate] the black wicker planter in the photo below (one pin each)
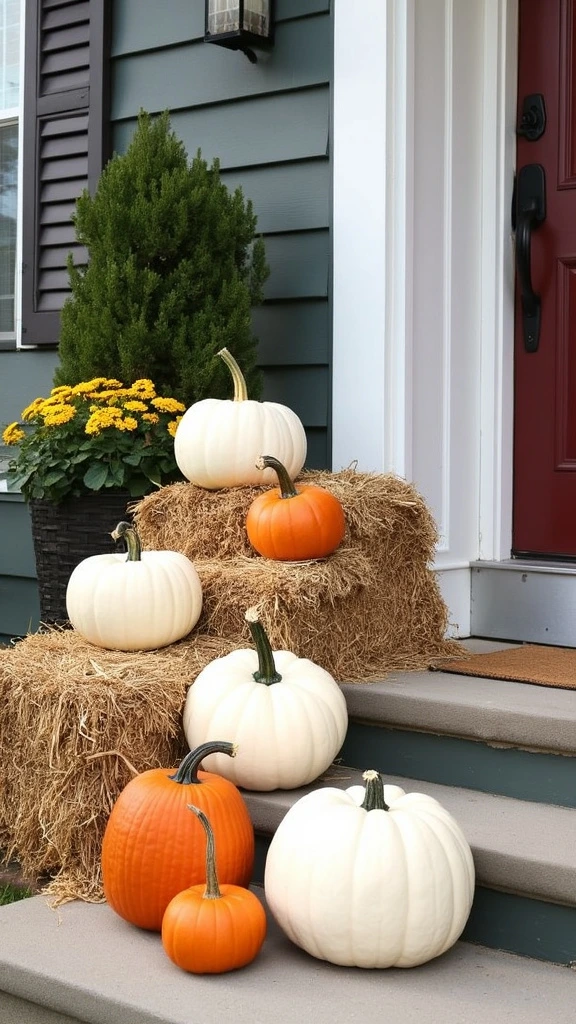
(63, 535)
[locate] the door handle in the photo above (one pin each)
(528, 213)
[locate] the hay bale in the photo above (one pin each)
(77, 723)
(372, 607)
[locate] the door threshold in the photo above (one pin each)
(524, 600)
(530, 565)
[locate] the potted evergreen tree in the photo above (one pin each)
(173, 270)
(174, 267)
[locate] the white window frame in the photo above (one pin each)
(14, 115)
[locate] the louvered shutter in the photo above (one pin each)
(65, 135)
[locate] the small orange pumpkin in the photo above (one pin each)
(291, 523)
(212, 928)
(153, 848)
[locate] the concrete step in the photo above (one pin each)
(502, 737)
(523, 852)
(83, 963)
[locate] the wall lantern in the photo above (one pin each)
(240, 25)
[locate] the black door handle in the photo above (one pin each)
(530, 300)
(529, 211)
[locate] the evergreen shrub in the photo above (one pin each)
(173, 269)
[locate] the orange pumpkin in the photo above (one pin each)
(294, 523)
(212, 928)
(153, 847)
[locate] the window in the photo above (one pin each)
(9, 117)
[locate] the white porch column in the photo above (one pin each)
(373, 109)
(418, 381)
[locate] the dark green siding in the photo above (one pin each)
(268, 124)
(23, 376)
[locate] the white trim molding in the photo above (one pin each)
(496, 382)
(372, 223)
(423, 292)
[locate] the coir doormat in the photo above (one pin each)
(531, 663)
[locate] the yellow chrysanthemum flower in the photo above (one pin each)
(168, 405)
(135, 406)
(32, 410)
(128, 423)
(151, 417)
(173, 426)
(59, 415)
(48, 403)
(101, 419)
(86, 386)
(106, 395)
(63, 391)
(143, 388)
(13, 434)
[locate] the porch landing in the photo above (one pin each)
(82, 963)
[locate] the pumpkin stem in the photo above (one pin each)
(128, 532)
(287, 488)
(266, 668)
(374, 796)
(212, 891)
(240, 389)
(187, 773)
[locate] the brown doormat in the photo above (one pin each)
(543, 666)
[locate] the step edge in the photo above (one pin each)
(537, 873)
(538, 729)
(64, 995)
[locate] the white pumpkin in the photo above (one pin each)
(138, 602)
(371, 877)
(218, 441)
(286, 715)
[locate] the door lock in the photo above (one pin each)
(533, 117)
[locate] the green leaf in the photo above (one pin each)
(153, 474)
(115, 475)
(54, 477)
(95, 477)
(133, 458)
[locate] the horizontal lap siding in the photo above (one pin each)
(23, 376)
(19, 606)
(269, 126)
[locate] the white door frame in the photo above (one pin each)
(399, 319)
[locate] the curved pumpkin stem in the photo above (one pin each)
(287, 488)
(187, 773)
(266, 668)
(240, 389)
(374, 796)
(129, 533)
(212, 891)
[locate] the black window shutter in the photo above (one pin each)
(65, 133)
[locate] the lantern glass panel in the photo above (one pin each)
(223, 16)
(257, 17)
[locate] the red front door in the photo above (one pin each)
(545, 366)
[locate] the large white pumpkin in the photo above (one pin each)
(218, 441)
(389, 886)
(134, 602)
(286, 715)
